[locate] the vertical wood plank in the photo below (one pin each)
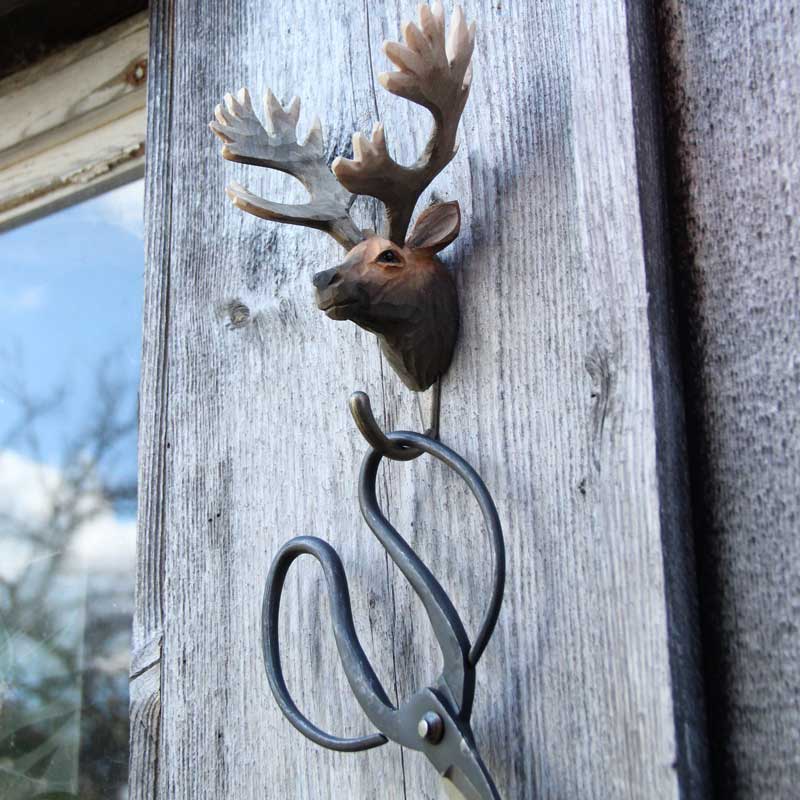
(154, 408)
(688, 691)
(551, 397)
(733, 102)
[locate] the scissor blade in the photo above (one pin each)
(452, 791)
(454, 753)
(476, 786)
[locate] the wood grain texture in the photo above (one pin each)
(733, 75)
(74, 124)
(32, 29)
(148, 626)
(688, 691)
(550, 396)
(79, 88)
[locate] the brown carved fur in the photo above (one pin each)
(405, 295)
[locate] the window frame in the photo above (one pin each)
(77, 123)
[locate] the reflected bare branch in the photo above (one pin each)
(65, 615)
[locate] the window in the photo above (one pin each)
(70, 308)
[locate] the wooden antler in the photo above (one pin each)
(247, 142)
(435, 74)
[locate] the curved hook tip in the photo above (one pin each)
(361, 410)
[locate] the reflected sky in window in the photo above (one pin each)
(70, 318)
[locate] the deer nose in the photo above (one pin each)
(326, 278)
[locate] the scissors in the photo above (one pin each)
(436, 719)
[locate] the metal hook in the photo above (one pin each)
(361, 409)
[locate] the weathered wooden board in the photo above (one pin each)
(148, 630)
(733, 74)
(246, 440)
(74, 124)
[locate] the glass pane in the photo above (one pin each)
(70, 316)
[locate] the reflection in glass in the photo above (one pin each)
(70, 288)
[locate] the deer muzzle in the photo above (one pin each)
(337, 296)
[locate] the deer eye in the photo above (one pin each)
(388, 257)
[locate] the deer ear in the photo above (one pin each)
(436, 227)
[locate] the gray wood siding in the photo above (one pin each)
(557, 396)
(733, 81)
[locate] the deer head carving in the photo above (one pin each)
(388, 283)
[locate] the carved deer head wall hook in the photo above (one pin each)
(394, 285)
(390, 283)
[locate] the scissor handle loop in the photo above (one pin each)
(425, 444)
(357, 667)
